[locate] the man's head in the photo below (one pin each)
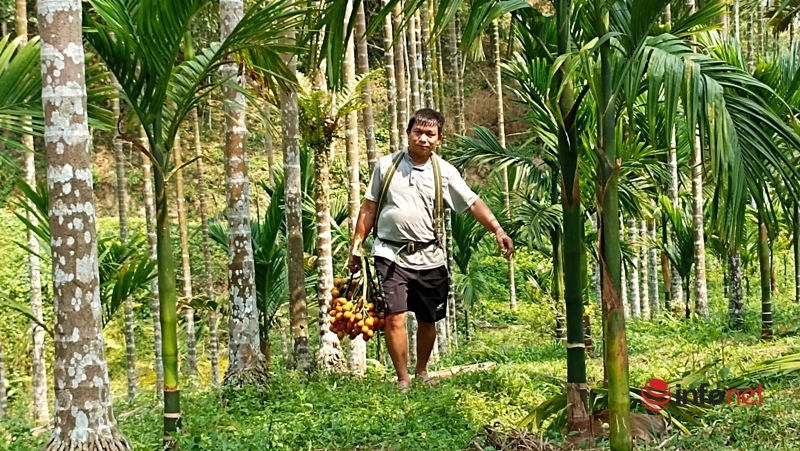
(424, 132)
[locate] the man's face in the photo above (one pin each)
(423, 139)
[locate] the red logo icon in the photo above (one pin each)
(656, 395)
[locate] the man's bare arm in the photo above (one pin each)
(486, 218)
(366, 219)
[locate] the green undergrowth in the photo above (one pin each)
(302, 412)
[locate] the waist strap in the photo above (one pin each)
(410, 246)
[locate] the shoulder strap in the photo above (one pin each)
(387, 179)
(438, 202)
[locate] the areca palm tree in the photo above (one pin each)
(140, 42)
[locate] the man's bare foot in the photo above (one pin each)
(403, 386)
(427, 380)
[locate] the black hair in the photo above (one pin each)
(426, 116)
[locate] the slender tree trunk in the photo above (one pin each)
(676, 283)
(427, 58)
(3, 393)
(329, 356)
(191, 343)
(633, 284)
(391, 82)
(41, 408)
(501, 135)
(736, 304)
(750, 54)
(152, 241)
(437, 79)
(400, 75)
(625, 293)
(655, 302)
(644, 296)
(616, 347)
(558, 265)
(357, 347)
(411, 45)
(301, 353)
(701, 290)
(597, 275)
(367, 116)
(796, 239)
(455, 76)
(577, 391)
(246, 362)
(452, 310)
(765, 270)
(208, 282)
(735, 17)
(268, 144)
(84, 417)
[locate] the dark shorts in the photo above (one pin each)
(423, 292)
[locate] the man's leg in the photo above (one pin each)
(397, 345)
(426, 336)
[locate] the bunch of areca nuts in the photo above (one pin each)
(352, 312)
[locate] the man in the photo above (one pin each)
(409, 255)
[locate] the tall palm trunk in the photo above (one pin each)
(367, 116)
(455, 76)
(501, 134)
(122, 203)
(438, 79)
(427, 58)
(558, 266)
(400, 75)
(616, 346)
(293, 194)
(452, 310)
(701, 290)
(577, 390)
(597, 275)
(41, 408)
(391, 82)
(735, 17)
(633, 283)
(413, 68)
(208, 286)
(750, 54)
(152, 241)
(736, 304)
(765, 271)
(3, 392)
(655, 302)
(188, 312)
(644, 296)
(357, 347)
(84, 417)
(246, 362)
(676, 282)
(329, 356)
(796, 240)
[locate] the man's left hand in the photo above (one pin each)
(505, 243)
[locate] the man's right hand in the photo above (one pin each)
(354, 264)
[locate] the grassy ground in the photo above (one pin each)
(317, 412)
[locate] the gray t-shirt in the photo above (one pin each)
(408, 208)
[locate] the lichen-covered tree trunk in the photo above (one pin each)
(301, 354)
(188, 312)
(427, 57)
(652, 263)
(357, 347)
(633, 283)
(676, 283)
(41, 408)
(246, 363)
(208, 285)
(455, 76)
(701, 290)
(84, 417)
(329, 356)
(362, 68)
(616, 345)
(391, 82)
(764, 265)
(400, 75)
(501, 135)
(750, 53)
(644, 296)
(152, 241)
(413, 68)
(736, 303)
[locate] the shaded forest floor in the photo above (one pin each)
(318, 412)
